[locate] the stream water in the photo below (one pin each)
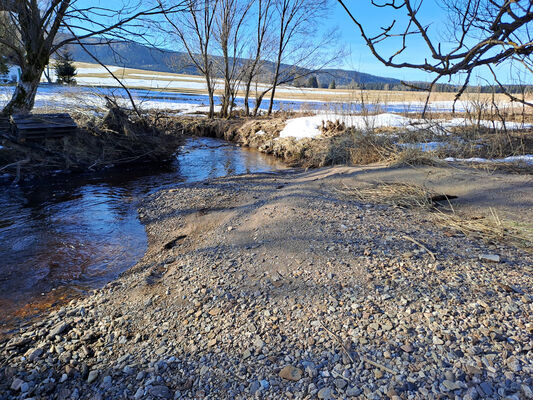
(73, 233)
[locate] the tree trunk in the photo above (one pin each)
(211, 95)
(274, 84)
(246, 100)
(23, 98)
(258, 101)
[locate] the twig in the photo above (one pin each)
(340, 342)
(421, 245)
(368, 361)
(381, 366)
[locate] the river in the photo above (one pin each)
(69, 234)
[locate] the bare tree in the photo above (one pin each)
(297, 44)
(263, 19)
(38, 23)
(230, 21)
(480, 33)
(195, 30)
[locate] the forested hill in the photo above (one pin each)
(135, 55)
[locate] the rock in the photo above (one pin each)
(160, 391)
(254, 387)
(471, 394)
(311, 371)
(291, 373)
(514, 365)
(353, 392)
(34, 354)
(437, 340)
(407, 348)
(340, 383)
(107, 381)
(59, 329)
(528, 392)
(473, 370)
(246, 354)
(258, 343)
(487, 388)
(24, 387)
(450, 385)
(16, 384)
(325, 393)
(490, 258)
(92, 376)
(264, 384)
(139, 394)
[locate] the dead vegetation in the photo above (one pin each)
(342, 145)
(440, 210)
(116, 138)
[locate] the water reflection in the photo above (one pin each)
(71, 233)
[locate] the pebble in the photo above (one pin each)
(291, 373)
(325, 393)
(490, 258)
(160, 391)
(93, 375)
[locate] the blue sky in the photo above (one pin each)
(360, 58)
(371, 17)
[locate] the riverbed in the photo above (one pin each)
(66, 235)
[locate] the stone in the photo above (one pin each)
(258, 343)
(254, 387)
(528, 392)
(437, 340)
(35, 354)
(353, 392)
(407, 348)
(340, 383)
(265, 385)
(160, 391)
(139, 394)
(471, 394)
(473, 370)
(16, 384)
(291, 373)
(451, 385)
(325, 393)
(59, 329)
(487, 388)
(93, 375)
(490, 258)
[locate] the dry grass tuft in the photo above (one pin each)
(399, 194)
(490, 228)
(412, 156)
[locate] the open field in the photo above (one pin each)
(93, 74)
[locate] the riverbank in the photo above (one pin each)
(288, 285)
(313, 140)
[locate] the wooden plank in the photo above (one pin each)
(42, 126)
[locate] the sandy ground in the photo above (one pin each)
(510, 195)
(283, 286)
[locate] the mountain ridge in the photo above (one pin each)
(139, 56)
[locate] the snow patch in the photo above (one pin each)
(527, 159)
(309, 127)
